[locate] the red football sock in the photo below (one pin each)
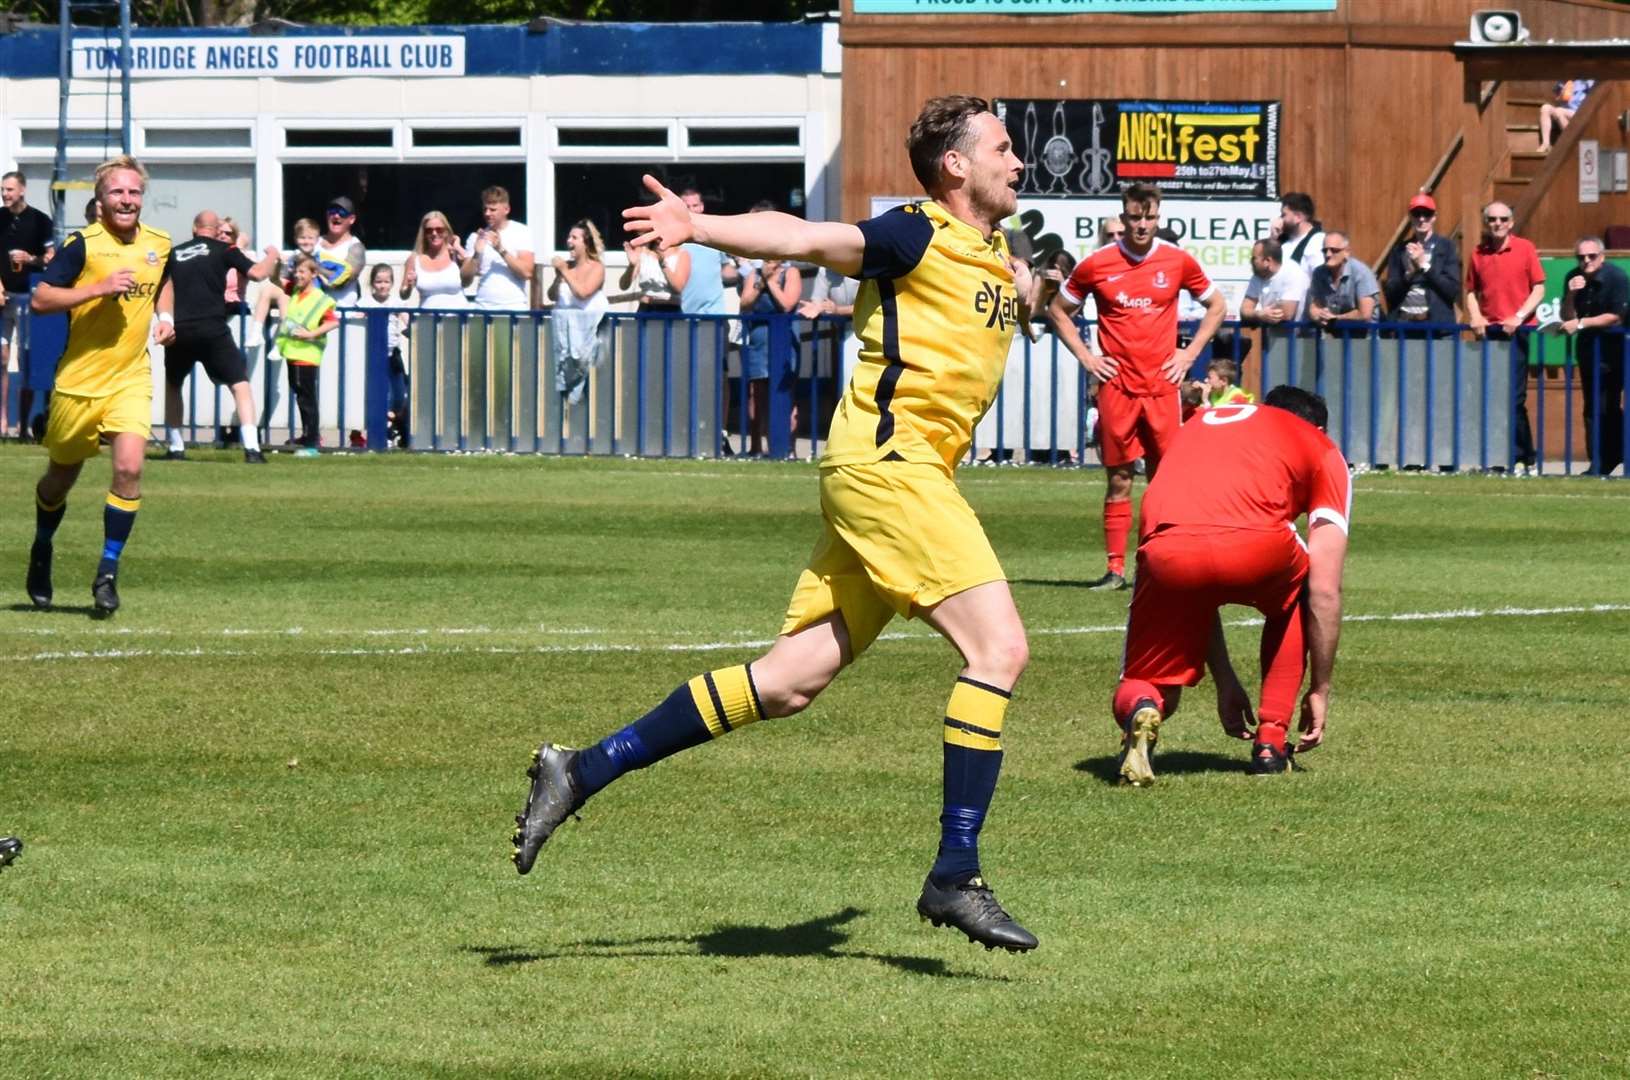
(1271, 734)
(1117, 527)
(1127, 696)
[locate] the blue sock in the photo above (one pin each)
(118, 518)
(673, 726)
(704, 708)
(47, 518)
(973, 760)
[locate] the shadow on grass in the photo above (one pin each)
(84, 611)
(1175, 763)
(819, 938)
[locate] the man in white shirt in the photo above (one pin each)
(1301, 235)
(1276, 289)
(500, 259)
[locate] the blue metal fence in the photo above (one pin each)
(1404, 395)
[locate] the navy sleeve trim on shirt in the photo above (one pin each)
(66, 266)
(895, 242)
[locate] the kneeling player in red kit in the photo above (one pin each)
(1219, 527)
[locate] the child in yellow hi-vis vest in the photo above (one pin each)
(308, 317)
(1218, 388)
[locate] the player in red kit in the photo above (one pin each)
(1219, 527)
(1134, 283)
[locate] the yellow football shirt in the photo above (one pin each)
(107, 336)
(935, 315)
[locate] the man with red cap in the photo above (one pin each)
(1423, 272)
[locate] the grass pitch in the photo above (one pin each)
(266, 808)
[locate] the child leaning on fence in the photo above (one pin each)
(308, 317)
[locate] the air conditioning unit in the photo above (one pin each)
(1497, 26)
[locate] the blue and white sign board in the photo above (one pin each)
(336, 57)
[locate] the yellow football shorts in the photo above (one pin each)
(76, 424)
(898, 536)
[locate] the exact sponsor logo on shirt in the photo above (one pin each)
(999, 309)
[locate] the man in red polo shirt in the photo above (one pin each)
(1134, 284)
(1504, 286)
(1215, 534)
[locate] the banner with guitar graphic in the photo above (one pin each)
(1192, 149)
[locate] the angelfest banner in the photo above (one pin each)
(1218, 233)
(1198, 149)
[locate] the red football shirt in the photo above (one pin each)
(1502, 278)
(1248, 467)
(1137, 308)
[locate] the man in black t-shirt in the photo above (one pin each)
(198, 269)
(1595, 306)
(26, 240)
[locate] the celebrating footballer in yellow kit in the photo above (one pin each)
(939, 302)
(110, 278)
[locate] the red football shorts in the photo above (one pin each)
(1186, 574)
(1132, 427)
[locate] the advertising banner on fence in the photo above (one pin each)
(1198, 149)
(1219, 234)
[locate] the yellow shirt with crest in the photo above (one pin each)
(107, 336)
(935, 315)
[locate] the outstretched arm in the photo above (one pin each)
(766, 235)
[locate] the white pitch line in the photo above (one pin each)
(422, 649)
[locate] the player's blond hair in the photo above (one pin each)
(113, 165)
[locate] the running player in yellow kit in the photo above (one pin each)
(109, 278)
(939, 302)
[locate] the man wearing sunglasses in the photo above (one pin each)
(1595, 297)
(1423, 273)
(1504, 286)
(1343, 289)
(340, 256)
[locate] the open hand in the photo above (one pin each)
(666, 222)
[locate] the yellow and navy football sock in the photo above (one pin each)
(47, 518)
(118, 518)
(973, 759)
(702, 709)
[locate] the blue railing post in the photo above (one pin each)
(376, 386)
(783, 385)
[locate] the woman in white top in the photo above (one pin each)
(433, 268)
(656, 279)
(579, 293)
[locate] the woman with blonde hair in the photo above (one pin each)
(579, 292)
(433, 268)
